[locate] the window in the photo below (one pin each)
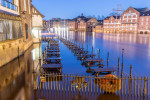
(146, 23)
(146, 19)
(142, 23)
(129, 11)
(26, 30)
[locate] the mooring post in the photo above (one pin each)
(118, 63)
(87, 47)
(99, 53)
(131, 71)
(92, 49)
(107, 59)
(122, 63)
(144, 91)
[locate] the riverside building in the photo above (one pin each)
(15, 29)
(133, 20)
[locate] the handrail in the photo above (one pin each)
(9, 5)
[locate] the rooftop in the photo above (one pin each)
(141, 9)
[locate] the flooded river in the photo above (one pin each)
(17, 80)
(136, 51)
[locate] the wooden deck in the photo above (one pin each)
(104, 70)
(49, 53)
(52, 58)
(94, 59)
(87, 55)
(52, 66)
(53, 50)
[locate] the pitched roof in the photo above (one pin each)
(100, 21)
(141, 9)
(37, 11)
(116, 17)
(107, 17)
(146, 13)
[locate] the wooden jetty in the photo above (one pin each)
(93, 62)
(50, 54)
(52, 67)
(104, 70)
(52, 59)
(89, 60)
(53, 50)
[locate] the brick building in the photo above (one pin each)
(72, 25)
(91, 23)
(130, 20)
(133, 20)
(112, 24)
(82, 23)
(144, 26)
(99, 27)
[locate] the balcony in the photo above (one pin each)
(9, 7)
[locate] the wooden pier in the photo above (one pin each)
(103, 71)
(88, 59)
(136, 88)
(52, 59)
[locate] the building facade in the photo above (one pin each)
(144, 26)
(112, 24)
(72, 25)
(37, 24)
(132, 20)
(82, 25)
(15, 29)
(91, 23)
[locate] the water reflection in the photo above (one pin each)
(136, 47)
(16, 77)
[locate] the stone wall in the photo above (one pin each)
(11, 49)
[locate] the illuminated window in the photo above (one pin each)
(146, 19)
(142, 23)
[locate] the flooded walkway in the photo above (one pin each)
(136, 49)
(17, 79)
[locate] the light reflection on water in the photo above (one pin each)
(137, 48)
(16, 78)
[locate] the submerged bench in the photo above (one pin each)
(104, 70)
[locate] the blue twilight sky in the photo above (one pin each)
(73, 8)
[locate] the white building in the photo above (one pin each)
(37, 24)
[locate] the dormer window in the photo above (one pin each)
(129, 11)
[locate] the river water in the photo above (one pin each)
(136, 51)
(16, 78)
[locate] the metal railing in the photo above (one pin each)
(127, 87)
(8, 5)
